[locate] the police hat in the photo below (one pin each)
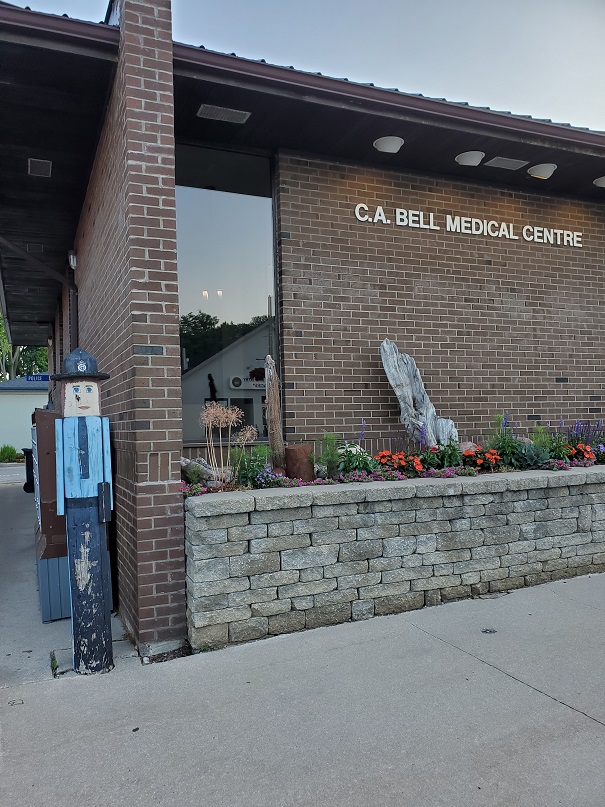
(79, 364)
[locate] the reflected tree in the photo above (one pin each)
(203, 336)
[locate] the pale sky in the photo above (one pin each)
(544, 58)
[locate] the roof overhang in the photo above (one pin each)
(55, 78)
(339, 120)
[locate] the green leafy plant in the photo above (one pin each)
(554, 442)
(194, 474)
(531, 456)
(352, 457)
(9, 454)
(557, 447)
(249, 463)
(441, 456)
(540, 436)
(505, 443)
(329, 453)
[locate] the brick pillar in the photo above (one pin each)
(128, 303)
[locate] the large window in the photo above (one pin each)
(226, 282)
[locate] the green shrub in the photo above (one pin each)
(352, 457)
(531, 457)
(505, 443)
(250, 463)
(541, 437)
(194, 474)
(329, 453)
(8, 454)
(441, 456)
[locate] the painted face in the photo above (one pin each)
(81, 398)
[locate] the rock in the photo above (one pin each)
(198, 466)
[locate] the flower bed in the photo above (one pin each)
(345, 462)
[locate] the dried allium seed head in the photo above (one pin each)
(214, 416)
(234, 416)
(247, 435)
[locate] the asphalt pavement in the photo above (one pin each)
(487, 702)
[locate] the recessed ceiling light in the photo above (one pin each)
(542, 171)
(223, 113)
(388, 144)
(507, 163)
(39, 168)
(599, 182)
(470, 157)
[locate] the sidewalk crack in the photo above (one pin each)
(509, 675)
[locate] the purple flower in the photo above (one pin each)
(505, 420)
(601, 448)
(423, 435)
(362, 433)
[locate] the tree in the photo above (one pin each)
(16, 360)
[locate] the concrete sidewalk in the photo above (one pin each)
(26, 643)
(423, 708)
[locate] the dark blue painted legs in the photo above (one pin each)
(90, 584)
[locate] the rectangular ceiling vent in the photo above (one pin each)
(39, 168)
(506, 162)
(39, 248)
(222, 113)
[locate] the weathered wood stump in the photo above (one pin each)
(418, 414)
(299, 462)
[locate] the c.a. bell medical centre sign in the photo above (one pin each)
(422, 220)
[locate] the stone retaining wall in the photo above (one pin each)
(275, 561)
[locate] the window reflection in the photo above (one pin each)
(226, 287)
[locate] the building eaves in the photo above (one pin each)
(36, 27)
(261, 70)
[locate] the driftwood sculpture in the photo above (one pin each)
(274, 419)
(417, 412)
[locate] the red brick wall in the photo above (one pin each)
(128, 310)
(492, 323)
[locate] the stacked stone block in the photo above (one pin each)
(263, 563)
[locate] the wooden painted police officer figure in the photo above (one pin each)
(84, 496)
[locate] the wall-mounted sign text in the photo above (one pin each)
(422, 220)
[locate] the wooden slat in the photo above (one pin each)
(59, 467)
(107, 458)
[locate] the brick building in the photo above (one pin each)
(464, 245)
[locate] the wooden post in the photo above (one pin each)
(84, 495)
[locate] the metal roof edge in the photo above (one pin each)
(38, 24)
(190, 56)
